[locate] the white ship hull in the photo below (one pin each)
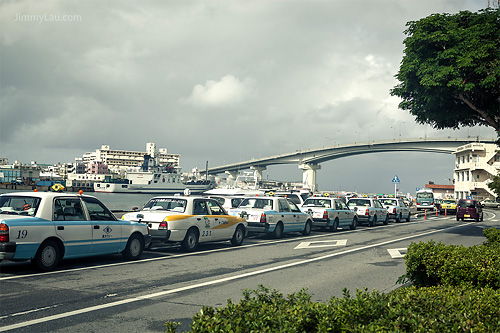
(145, 188)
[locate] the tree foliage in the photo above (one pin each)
(450, 72)
(495, 184)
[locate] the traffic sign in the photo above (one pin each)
(396, 179)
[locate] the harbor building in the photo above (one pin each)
(119, 160)
(475, 165)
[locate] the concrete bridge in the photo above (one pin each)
(309, 160)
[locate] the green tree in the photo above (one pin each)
(450, 72)
(495, 184)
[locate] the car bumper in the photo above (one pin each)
(160, 235)
(258, 227)
(7, 250)
(321, 222)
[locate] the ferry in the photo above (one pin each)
(153, 178)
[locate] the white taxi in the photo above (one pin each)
(368, 210)
(330, 213)
(396, 208)
(189, 220)
(274, 215)
(45, 227)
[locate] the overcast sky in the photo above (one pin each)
(217, 81)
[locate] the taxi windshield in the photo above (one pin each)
(19, 205)
(171, 204)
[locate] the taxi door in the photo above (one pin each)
(221, 228)
(290, 219)
(72, 226)
(345, 214)
(106, 229)
(204, 220)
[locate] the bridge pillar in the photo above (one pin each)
(258, 171)
(309, 175)
(232, 175)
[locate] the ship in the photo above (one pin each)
(153, 178)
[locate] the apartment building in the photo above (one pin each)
(119, 160)
(475, 165)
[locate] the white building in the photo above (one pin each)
(475, 165)
(119, 160)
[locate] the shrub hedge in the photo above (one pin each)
(431, 264)
(454, 289)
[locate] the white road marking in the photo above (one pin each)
(213, 282)
(29, 311)
(309, 245)
(396, 253)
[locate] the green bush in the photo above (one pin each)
(431, 264)
(492, 237)
(412, 309)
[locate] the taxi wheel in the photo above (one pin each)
(373, 221)
(354, 223)
(335, 225)
(278, 230)
(386, 221)
(134, 248)
(47, 256)
(307, 228)
(399, 218)
(190, 242)
(238, 236)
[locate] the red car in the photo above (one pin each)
(469, 209)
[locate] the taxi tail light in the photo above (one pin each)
(394, 210)
(325, 214)
(4, 233)
(163, 225)
(367, 212)
(263, 218)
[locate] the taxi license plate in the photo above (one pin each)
(466, 215)
(254, 217)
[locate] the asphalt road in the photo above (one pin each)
(108, 294)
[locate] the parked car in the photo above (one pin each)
(449, 206)
(368, 210)
(274, 215)
(45, 227)
(396, 208)
(488, 203)
(330, 213)
(469, 209)
(190, 221)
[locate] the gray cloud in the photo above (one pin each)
(212, 80)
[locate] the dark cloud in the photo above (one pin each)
(210, 80)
